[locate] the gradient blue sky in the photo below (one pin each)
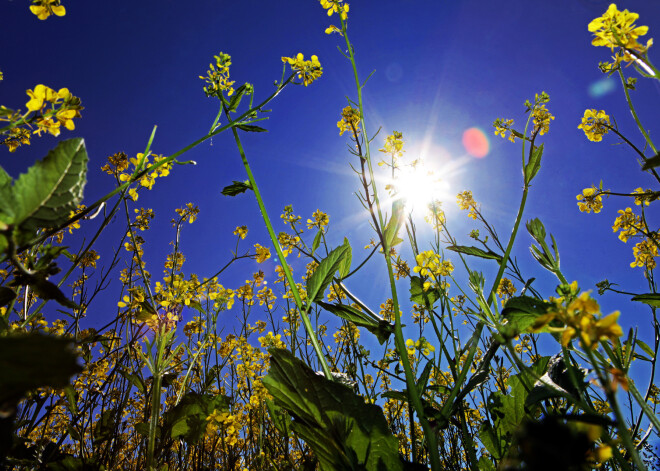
(441, 67)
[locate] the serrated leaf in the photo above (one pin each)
(492, 441)
(374, 324)
(343, 431)
(652, 299)
(236, 188)
(31, 361)
(251, 128)
(322, 276)
(52, 187)
(475, 251)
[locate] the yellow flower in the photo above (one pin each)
(217, 76)
(336, 6)
(466, 201)
(241, 231)
(308, 71)
(506, 289)
(350, 121)
(590, 200)
(40, 94)
(263, 253)
(595, 124)
(321, 220)
(628, 223)
(644, 253)
(44, 8)
(616, 29)
(542, 118)
(644, 196)
(502, 126)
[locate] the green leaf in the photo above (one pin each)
(475, 251)
(237, 97)
(648, 350)
(322, 276)
(251, 128)
(47, 290)
(236, 188)
(343, 431)
(418, 295)
(345, 266)
(522, 312)
(317, 240)
(188, 418)
(374, 324)
(52, 187)
(394, 224)
(30, 361)
(652, 299)
(492, 441)
(652, 162)
(534, 164)
(7, 201)
(281, 418)
(509, 408)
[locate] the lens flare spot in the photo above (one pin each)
(602, 87)
(476, 143)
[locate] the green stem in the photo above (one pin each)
(634, 113)
(285, 266)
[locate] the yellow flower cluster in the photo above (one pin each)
(590, 200)
(350, 121)
(422, 345)
(581, 319)
(241, 231)
(189, 213)
(628, 223)
(262, 253)
(308, 71)
(217, 77)
(44, 8)
(223, 422)
(64, 107)
(466, 201)
(393, 145)
(430, 265)
(321, 220)
(506, 289)
(645, 196)
(542, 118)
(502, 126)
(595, 124)
(616, 29)
(645, 253)
(336, 6)
(140, 162)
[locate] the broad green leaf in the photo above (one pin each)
(47, 290)
(236, 188)
(281, 418)
(485, 464)
(343, 431)
(534, 164)
(522, 312)
(345, 266)
(52, 187)
(251, 128)
(188, 418)
(509, 408)
(374, 324)
(492, 441)
(418, 295)
(394, 224)
(7, 202)
(322, 276)
(475, 251)
(30, 361)
(652, 299)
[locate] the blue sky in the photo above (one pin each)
(441, 67)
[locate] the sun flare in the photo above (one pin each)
(419, 185)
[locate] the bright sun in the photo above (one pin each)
(419, 186)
